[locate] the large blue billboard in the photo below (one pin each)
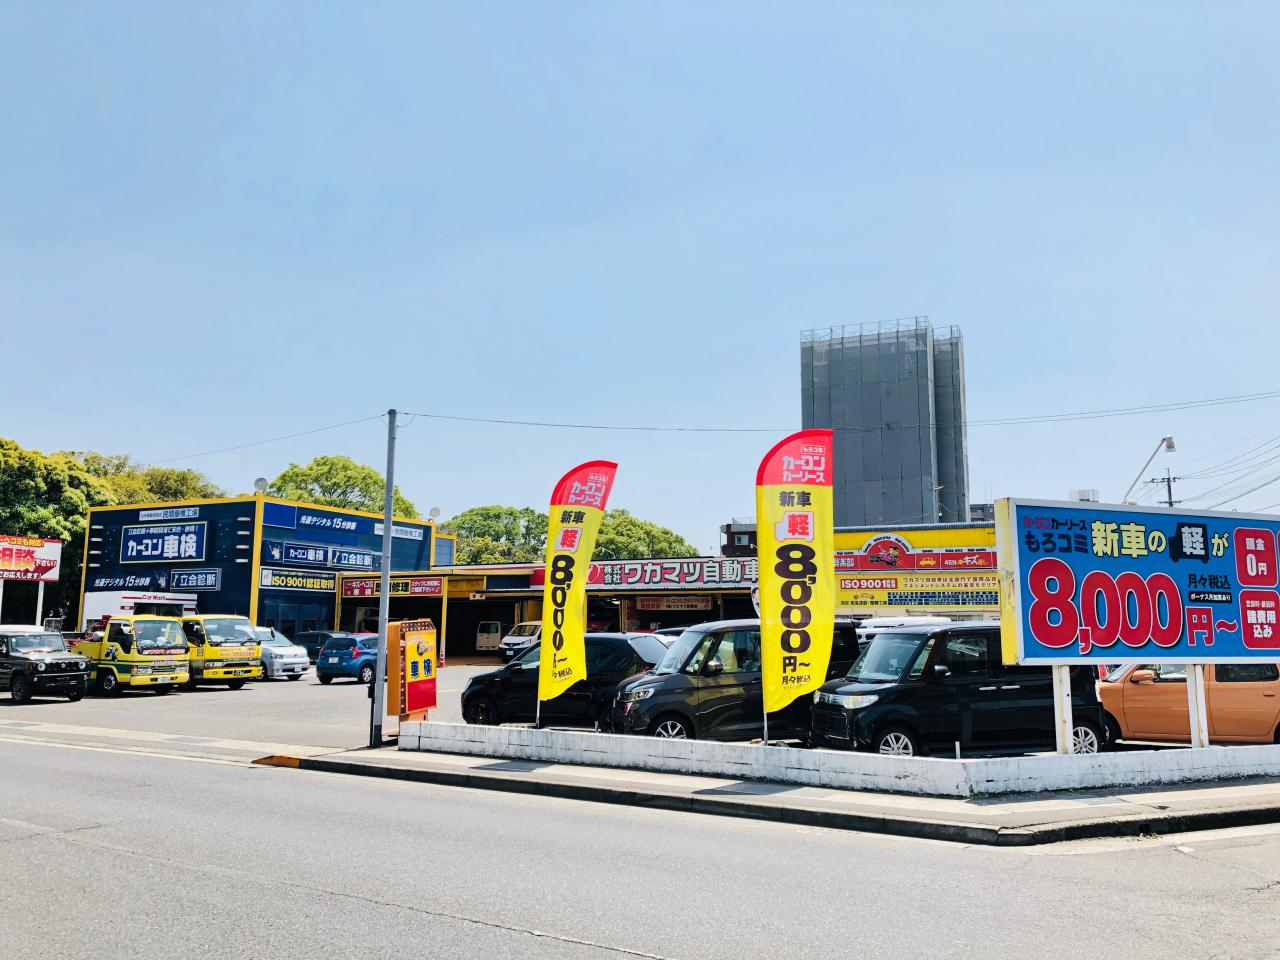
(1084, 582)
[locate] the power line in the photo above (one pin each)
(1002, 421)
(259, 443)
(1265, 483)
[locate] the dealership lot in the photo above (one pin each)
(290, 711)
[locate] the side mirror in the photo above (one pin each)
(1142, 676)
(713, 668)
(941, 671)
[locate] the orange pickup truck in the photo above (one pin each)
(1149, 702)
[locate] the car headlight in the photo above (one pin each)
(42, 665)
(634, 695)
(858, 700)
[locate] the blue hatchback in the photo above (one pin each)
(349, 656)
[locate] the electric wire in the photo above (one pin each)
(259, 443)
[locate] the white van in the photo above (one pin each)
(521, 637)
(488, 636)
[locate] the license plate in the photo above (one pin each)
(333, 659)
(162, 679)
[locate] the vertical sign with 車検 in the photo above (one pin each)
(578, 503)
(412, 668)
(1088, 583)
(794, 532)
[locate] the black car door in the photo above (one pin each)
(946, 703)
(576, 707)
(730, 698)
(1020, 711)
(517, 688)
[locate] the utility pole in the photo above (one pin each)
(1168, 481)
(377, 703)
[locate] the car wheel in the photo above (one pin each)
(20, 688)
(1114, 732)
(604, 719)
(160, 689)
(266, 675)
(895, 742)
(480, 710)
(76, 693)
(295, 676)
(108, 683)
(672, 727)
(325, 679)
(1085, 738)
(366, 673)
(189, 684)
(234, 684)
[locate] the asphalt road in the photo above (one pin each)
(289, 711)
(106, 854)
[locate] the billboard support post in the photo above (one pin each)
(40, 603)
(1062, 720)
(1197, 706)
(378, 705)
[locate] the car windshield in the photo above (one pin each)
(269, 638)
(524, 629)
(158, 634)
(37, 643)
(679, 652)
(888, 657)
(229, 631)
(650, 647)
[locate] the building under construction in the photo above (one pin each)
(894, 394)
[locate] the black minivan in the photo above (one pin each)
(708, 686)
(509, 695)
(924, 689)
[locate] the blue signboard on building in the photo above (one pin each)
(196, 579)
(274, 551)
(1083, 582)
(163, 541)
(352, 559)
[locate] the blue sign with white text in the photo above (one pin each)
(1108, 584)
(163, 542)
(353, 559)
(207, 578)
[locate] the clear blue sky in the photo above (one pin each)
(226, 222)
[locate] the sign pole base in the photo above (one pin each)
(1197, 706)
(1062, 722)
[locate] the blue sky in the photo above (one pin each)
(222, 223)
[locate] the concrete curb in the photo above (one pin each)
(920, 828)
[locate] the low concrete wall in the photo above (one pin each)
(930, 776)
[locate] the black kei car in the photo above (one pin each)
(509, 695)
(708, 686)
(35, 662)
(925, 689)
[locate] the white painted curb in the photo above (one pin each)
(931, 776)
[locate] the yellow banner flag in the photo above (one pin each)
(794, 531)
(577, 507)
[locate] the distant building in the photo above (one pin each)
(982, 512)
(894, 394)
(738, 537)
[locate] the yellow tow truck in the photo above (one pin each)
(225, 649)
(137, 651)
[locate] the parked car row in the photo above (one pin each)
(928, 687)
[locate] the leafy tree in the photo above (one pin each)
(625, 537)
(49, 495)
(498, 534)
(338, 481)
(131, 483)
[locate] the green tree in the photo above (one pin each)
(625, 537)
(132, 483)
(498, 534)
(338, 481)
(49, 495)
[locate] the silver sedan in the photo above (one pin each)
(280, 657)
